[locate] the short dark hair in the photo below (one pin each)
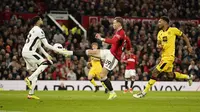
(95, 43)
(165, 18)
(35, 19)
(119, 19)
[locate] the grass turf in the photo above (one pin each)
(82, 101)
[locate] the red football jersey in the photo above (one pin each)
(119, 43)
(131, 61)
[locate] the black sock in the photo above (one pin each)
(126, 84)
(132, 82)
(108, 84)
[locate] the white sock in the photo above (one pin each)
(34, 83)
(39, 70)
(112, 91)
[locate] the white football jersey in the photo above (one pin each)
(33, 40)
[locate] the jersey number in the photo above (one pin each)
(108, 62)
(28, 38)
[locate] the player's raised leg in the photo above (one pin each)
(39, 70)
(184, 76)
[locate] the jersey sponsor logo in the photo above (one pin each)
(85, 85)
(158, 88)
(122, 87)
(132, 60)
(165, 39)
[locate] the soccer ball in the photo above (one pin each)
(58, 45)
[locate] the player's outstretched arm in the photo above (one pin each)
(49, 58)
(61, 51)
(113, 40)
(185, 38)
(94, 53)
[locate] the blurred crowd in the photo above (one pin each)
(131, 8)
(14, 30)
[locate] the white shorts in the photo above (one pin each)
(110, 61)
(32, 60)
(129, 73)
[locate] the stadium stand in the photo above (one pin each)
(13, 31)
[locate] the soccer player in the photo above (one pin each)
(166, 42)
(130, 73)
(112, 56)
(34, 61)
(95, 69)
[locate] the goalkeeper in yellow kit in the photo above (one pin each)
(95, 69)
(166, 42)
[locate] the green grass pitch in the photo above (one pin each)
(87, 101)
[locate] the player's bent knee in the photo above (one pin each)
(170, 76)
(103, 73)
(45, 63)
(155, 74)
(89, 77)
(133, 78)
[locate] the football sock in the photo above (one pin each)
(93, 82)
(34, 82)
(181, 76)
(103, 85)
(126, 84)
(39, 70)
(149, 85)
(132, 82)
(108, 84)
